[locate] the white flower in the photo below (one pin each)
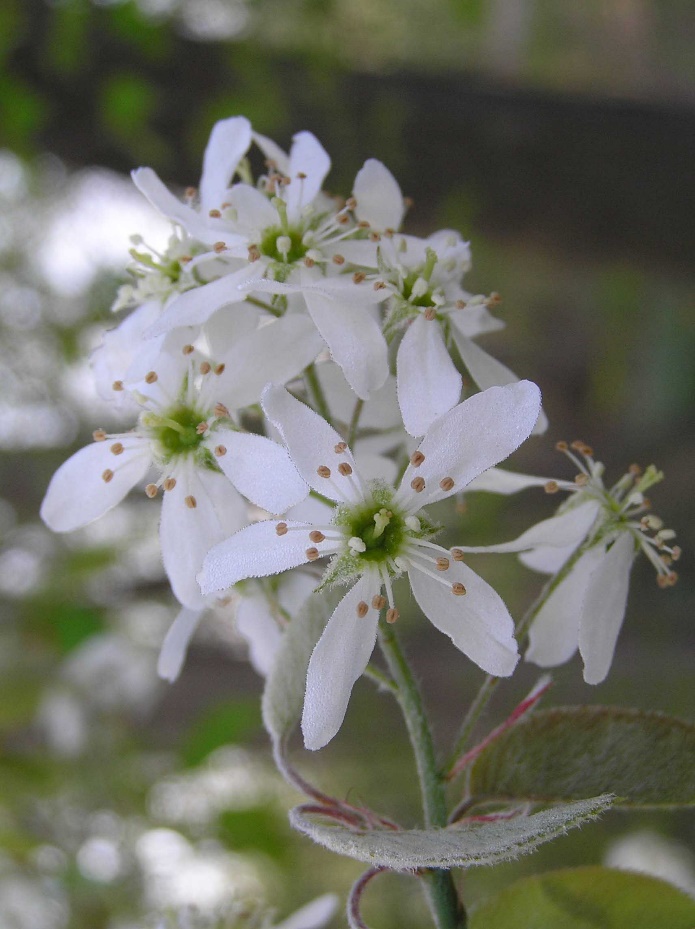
(378, 532)
(606, 527)
(186, 433)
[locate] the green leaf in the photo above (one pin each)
(645, 759)
(587, 898)
(232, 722)
(461, 846)
(283, 696)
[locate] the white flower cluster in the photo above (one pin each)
(271, 290)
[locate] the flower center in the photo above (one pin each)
(285, 246)
(177, 431)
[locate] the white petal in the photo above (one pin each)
(255, 623)
(295, 587)
(338, 660)
(379, 412)
(272, 151)
(375, 467)
(355, 341)
(474, 436)
(228, 143)
(175, 645)
(603, 609)
(254, 212)
(478, 623)
(311, 443)
(546, 560)
(227, 326)
(500, 481)
(162, 199)
(554, 633)
(260, 469)
(428, 382)
(121, 348)
(487, 371)
(314, 915)
(379, 198)
(307, 156)
(277, 352)
(256, 551)
(187, 533)
(196, 306)
(78, 494)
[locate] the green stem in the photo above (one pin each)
(352, 428)
(274, 311)
(445, 905)
(316, 392)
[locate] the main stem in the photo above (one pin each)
(447, 909)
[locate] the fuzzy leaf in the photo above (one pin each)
(284, 689)
(644, 758)
(462, 846)
(587, 898)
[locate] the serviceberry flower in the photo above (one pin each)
(590, 546)
(378, 532)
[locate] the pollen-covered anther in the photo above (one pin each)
(191, 193)
(358, 277)
(374, 237)
(561, 446)
(416, 459)
(190, 502)
(219, 369)
(667, 580)
(676, 552)
(312, 553)
(205, 367)
(338, 260)
(254, 253)
(220, 409)
(344, 468)
(447, 484)
(581, 480)
(214, 214)
(418, 484)
(493, 299)
(219, 247)
(169, 483)
(351, 203)
(362, 609)
(151, 377)
(442, 563)
(107, 475)
(430, 313)
(635, 470)
(458, 590)
(457, 554)
(281, 529)
(379, 285)
(340, 448)
(117, 385)
(461, 304)
(323, 471)
(316, 536)
(577, 445)
(202, 428)
(151, 491)
(220, 451)
(117, 448)
(99, 435)
(188, 349)
(363, 224)
(357, 545)
(309, 262)
(392, 615)
(389, 233)
(551, 487)
(651, 521)
(378, 602)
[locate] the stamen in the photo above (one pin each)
(117, 448)
(358, 277)
(442, 564)
(219, 247)
(362, 609)
(220, 451)
(457, 554)
(150, 377)
(458, 590)
(312, 554)
(418, 484)
(316, 536)
(340, 448)
(99, 435)
(338, 260)
(254, 253)
(117, 385)
(378, 602)
(344, 468)
(214, 214)
(107, 475)
(188, 349)
(218, 369)
(430, 313)
(201, 428)
(416, 459)
(220, 409)
(151, 491)
(551, 487)
(281, 529)
(323, 471)
(447, 484)
(205, 367)
(392, 615)
(190, 502)
(169, 483)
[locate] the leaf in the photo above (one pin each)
(644, 758)
(588, 898)
(461, 846)
(283, 696)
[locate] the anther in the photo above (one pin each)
(190, 502)
(214, 214)
(561, 446)
(202, 428)
(205, 367)
(581, 480)
(430, 313)
(358, 277)
(577, 445)
(362, 609)
(301, 176)
(460, 304)
(457, 589)
(99, 435)
(340, 448)
(493, 300)
(309, 262)
(281, 529)
(219, 247)
(107, 475)
(188, 349)
(316, 536)
(218, 369)
(151, 491)
(392, 615)
(379, 285)
(363, 224)
(374, 237)
(418, 484)
(150, 377)
(350, 203)
(117, 385)
(254, 253)
(220, 451)
(323, 471)
(312, 554)
(378, 602)
(416, 459)
(676, 552)
(169, 483)
(447, 484)
(117, 448)
(344, 468)
(220, 409)
(389, 233)
(551, 487)
(635, 470)
(190, 193)
(442, 564)
(338, 260)
(457, 554)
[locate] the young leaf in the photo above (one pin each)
(644, 758)
(461, 846)
(584, 898)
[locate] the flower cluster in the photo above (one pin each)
(298, 353)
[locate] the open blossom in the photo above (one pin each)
(378, 532)
(187, 436)
(590, 545)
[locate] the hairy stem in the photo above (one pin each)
(354, 422)
(445, 905)
(316, 392)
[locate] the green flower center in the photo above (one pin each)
(283, 246)
(383, 532)
(176, 431)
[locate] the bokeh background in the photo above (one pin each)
(559, 138)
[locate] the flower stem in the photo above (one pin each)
(352, 428)
(316, 392)
(447, 910)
